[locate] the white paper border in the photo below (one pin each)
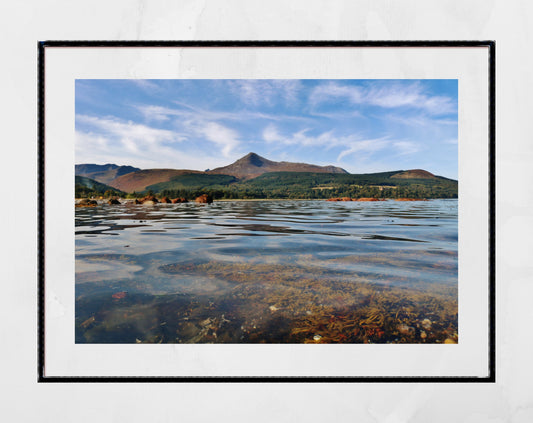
(468, 358)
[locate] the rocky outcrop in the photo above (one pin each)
(204, 198)
(355, 199)
(166, 200)
(148, 200)
(113, 201)
(86, 202)
(179, 200)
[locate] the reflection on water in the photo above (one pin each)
(267, 271)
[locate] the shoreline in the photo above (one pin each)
(127, 201)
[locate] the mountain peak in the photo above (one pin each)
(253, 165)
(253, 159)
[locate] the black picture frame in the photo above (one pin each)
(42, 378)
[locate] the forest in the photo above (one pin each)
(286, 185)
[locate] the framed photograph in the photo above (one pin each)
(266, 211)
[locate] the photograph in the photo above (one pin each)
(266, 211)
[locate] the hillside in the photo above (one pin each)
(87, 187)
(140, 180)
(310, 185)
(193, 181)
(103, 173)
(414, 174)
(253, 165)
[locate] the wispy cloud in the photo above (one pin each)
(146, 84)
(348, 144)
(365, 147)
(138, 133)
(260, 91)
(406, 147)
(325, 139)
(159, 113)
(384, 95)
(225, 138)
(418, 120)
(101, 135)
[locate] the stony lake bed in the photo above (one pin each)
(292, 271)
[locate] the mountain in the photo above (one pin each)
(103, 173)
(253, 165)
(140, 180)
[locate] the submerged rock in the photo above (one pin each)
(406, 330)
(119, 295)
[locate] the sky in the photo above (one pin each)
(360, 125)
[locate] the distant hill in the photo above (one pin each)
(253, 165)
(87, 187)
(140, 180)
(414, 174)
(103, 173)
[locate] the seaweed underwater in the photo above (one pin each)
(272, 303)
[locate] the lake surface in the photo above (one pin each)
(267, 271)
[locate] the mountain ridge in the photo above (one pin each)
(247, 168)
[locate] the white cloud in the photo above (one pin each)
(158, 113)
(111, 137)
(133, 132)
(146, 84)
(364, 147)
(324, 92)
(389, 96)
(300, 138)
(406, 147)
(419, 120)
(226, 138)
(93, 148)
(261, 91)
(349, 144)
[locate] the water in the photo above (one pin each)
(267, 271)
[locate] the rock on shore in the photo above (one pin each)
(204, 198)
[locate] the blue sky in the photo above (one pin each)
(360, 125)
